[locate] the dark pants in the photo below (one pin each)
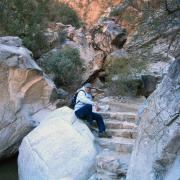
(86, 113)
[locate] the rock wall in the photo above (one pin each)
(152, 36)
(144, 30)
(93, 44)
(90, 11)
(25, 90)
(157, 150)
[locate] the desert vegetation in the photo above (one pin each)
(29, 18)
(65, 65)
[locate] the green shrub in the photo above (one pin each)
(116, 12)
(37, 43)
(122, 76)
(25, 18)
(60, 12)
(125, 87)
(29, 18)
(66, 65)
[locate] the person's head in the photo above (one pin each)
(88, 87)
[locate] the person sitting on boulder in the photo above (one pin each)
(83, 109)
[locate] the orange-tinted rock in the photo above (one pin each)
(91, 11)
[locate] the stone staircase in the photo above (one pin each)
(114, 155)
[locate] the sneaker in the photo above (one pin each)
(104, 135)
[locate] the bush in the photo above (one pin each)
(60, 12)
(18, 19)
(125, 87)
(123, 77)
(66, 65)
(29, 18)
(37, 43)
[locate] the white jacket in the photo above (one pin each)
(82, 99)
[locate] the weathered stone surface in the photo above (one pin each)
(128, 25)
(114, 156)
(77, 39)
(149, 84)
(106, 35)
(60, 147)
(111, 165)
(90, 11)
(92, 60)
(95, 44)
(154, 38)
(157, 150)
(62, 93)
(117, 55)
(118, 144)
(11, 41)
(145, 40)
(24, 91)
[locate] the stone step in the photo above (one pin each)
(123, 107)
(114, 124)
(117, 144)
(121, 116)
(129, 104)
(109, 176)
(111, 165)
(126, 133)
(106, 176)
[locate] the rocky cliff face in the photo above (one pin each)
(90, 11)
(93, 44)
(152, 36)
(25, 91)
(157, 151)
(143, 30)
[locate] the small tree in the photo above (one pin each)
(60, 12)
(66, 65)
(122, 76)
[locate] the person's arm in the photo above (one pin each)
(82, 98)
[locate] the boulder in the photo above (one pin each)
(24, 91)
(11, 41)
(111, 165)
(156, 153)
(61, 147)
(108, 35)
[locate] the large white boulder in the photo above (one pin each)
(25, 90)
(61, 147)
